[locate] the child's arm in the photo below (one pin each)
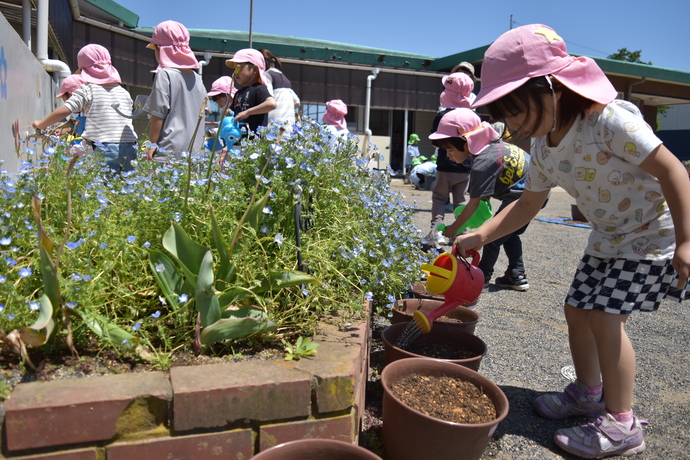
(154, 134)
(673, 178)
(55, 116)
(464, 216)
(512, 218)
(265, 107)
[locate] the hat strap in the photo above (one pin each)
(555, 100)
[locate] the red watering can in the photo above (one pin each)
(460, 282)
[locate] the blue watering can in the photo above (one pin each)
(229, 134)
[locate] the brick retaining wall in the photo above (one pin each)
(229, 411)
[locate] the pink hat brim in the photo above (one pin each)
(179, 57)
(100, 76)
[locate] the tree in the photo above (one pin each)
(623, 54)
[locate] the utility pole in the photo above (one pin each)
(511, 21)
(251, 20)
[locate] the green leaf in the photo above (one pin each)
(104, 328)
(283, 279)
(246, 312)
(186, 251)
(206, 299)
(226, 271)
(234, 328)
(51, 283)
(45, 315)
(254, 215)
(170, 280)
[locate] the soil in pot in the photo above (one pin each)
(461, 317)
(410, 434)
(446, 398)
(438, 340)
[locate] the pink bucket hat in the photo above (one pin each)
(223, 85)
(95, 65)
(335, 114)
(252, 56)
(535, 50)
(70, 84)
(172, 39)
(458, 87)
(465, 123)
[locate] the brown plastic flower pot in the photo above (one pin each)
(316, 449)
(404, 309)
(439, 334)
(411, 435)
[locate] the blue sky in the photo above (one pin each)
(594, 28)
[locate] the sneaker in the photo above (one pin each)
(486, 286)
(507, 281)
(602, 438)
(573, 401)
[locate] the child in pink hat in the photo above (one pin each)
(334, 118)
(632, 190)
(497, 171)
(111, 134)
(451, 177)
(222, 91)
(177, 97)
(253, 101)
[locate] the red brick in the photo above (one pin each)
(79, 454)
(237, 444)
(63, 412)
(341, 428)
(216, 395)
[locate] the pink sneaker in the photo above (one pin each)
(573, 401)
(602, 438)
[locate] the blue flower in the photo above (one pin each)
(34, 306)
(136, 326)
(103, 246)
(10, 316)
(2, 307)
(156, 314)
(3, 278)
(369, 295)
(71, 305)
(6, 241)
(267, 210)
(87, 277)
(146, 245)
(279, 239)
(264, 229)
(131, 239)
(160, 268)
(183, 298)
(392, 298)
(305, 293)
(363, 281)
(75, 277)
(25, 272)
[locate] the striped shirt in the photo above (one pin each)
(103, 123)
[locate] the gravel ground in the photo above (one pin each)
(528, 345)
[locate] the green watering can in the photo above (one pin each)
(481, 215)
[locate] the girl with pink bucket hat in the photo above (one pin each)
(634, 192)
(334, 119)
(112, 134)
(177, 97)
(253, 101)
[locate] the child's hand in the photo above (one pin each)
(241, 116)
(36, 124)
(681, 263)
(468, 242)
(150, 152)
(450, 231)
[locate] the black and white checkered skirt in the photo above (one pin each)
(623, 286)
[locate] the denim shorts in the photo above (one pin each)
(118, 156)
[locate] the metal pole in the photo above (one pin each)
(251, 20)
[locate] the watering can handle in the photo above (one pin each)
(471, 253)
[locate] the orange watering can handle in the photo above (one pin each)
(471, 253)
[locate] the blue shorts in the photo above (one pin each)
(118, 156)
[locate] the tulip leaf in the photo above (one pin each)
(186, 251)
(169, 279)
(206, 299)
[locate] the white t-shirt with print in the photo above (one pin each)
(597, 163)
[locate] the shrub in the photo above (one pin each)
(322, 211)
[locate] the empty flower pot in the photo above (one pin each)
(440, 335)
(316, 449)
(409, 434)
(460, 317)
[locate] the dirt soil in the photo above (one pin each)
(445, 398)
(448, 350)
